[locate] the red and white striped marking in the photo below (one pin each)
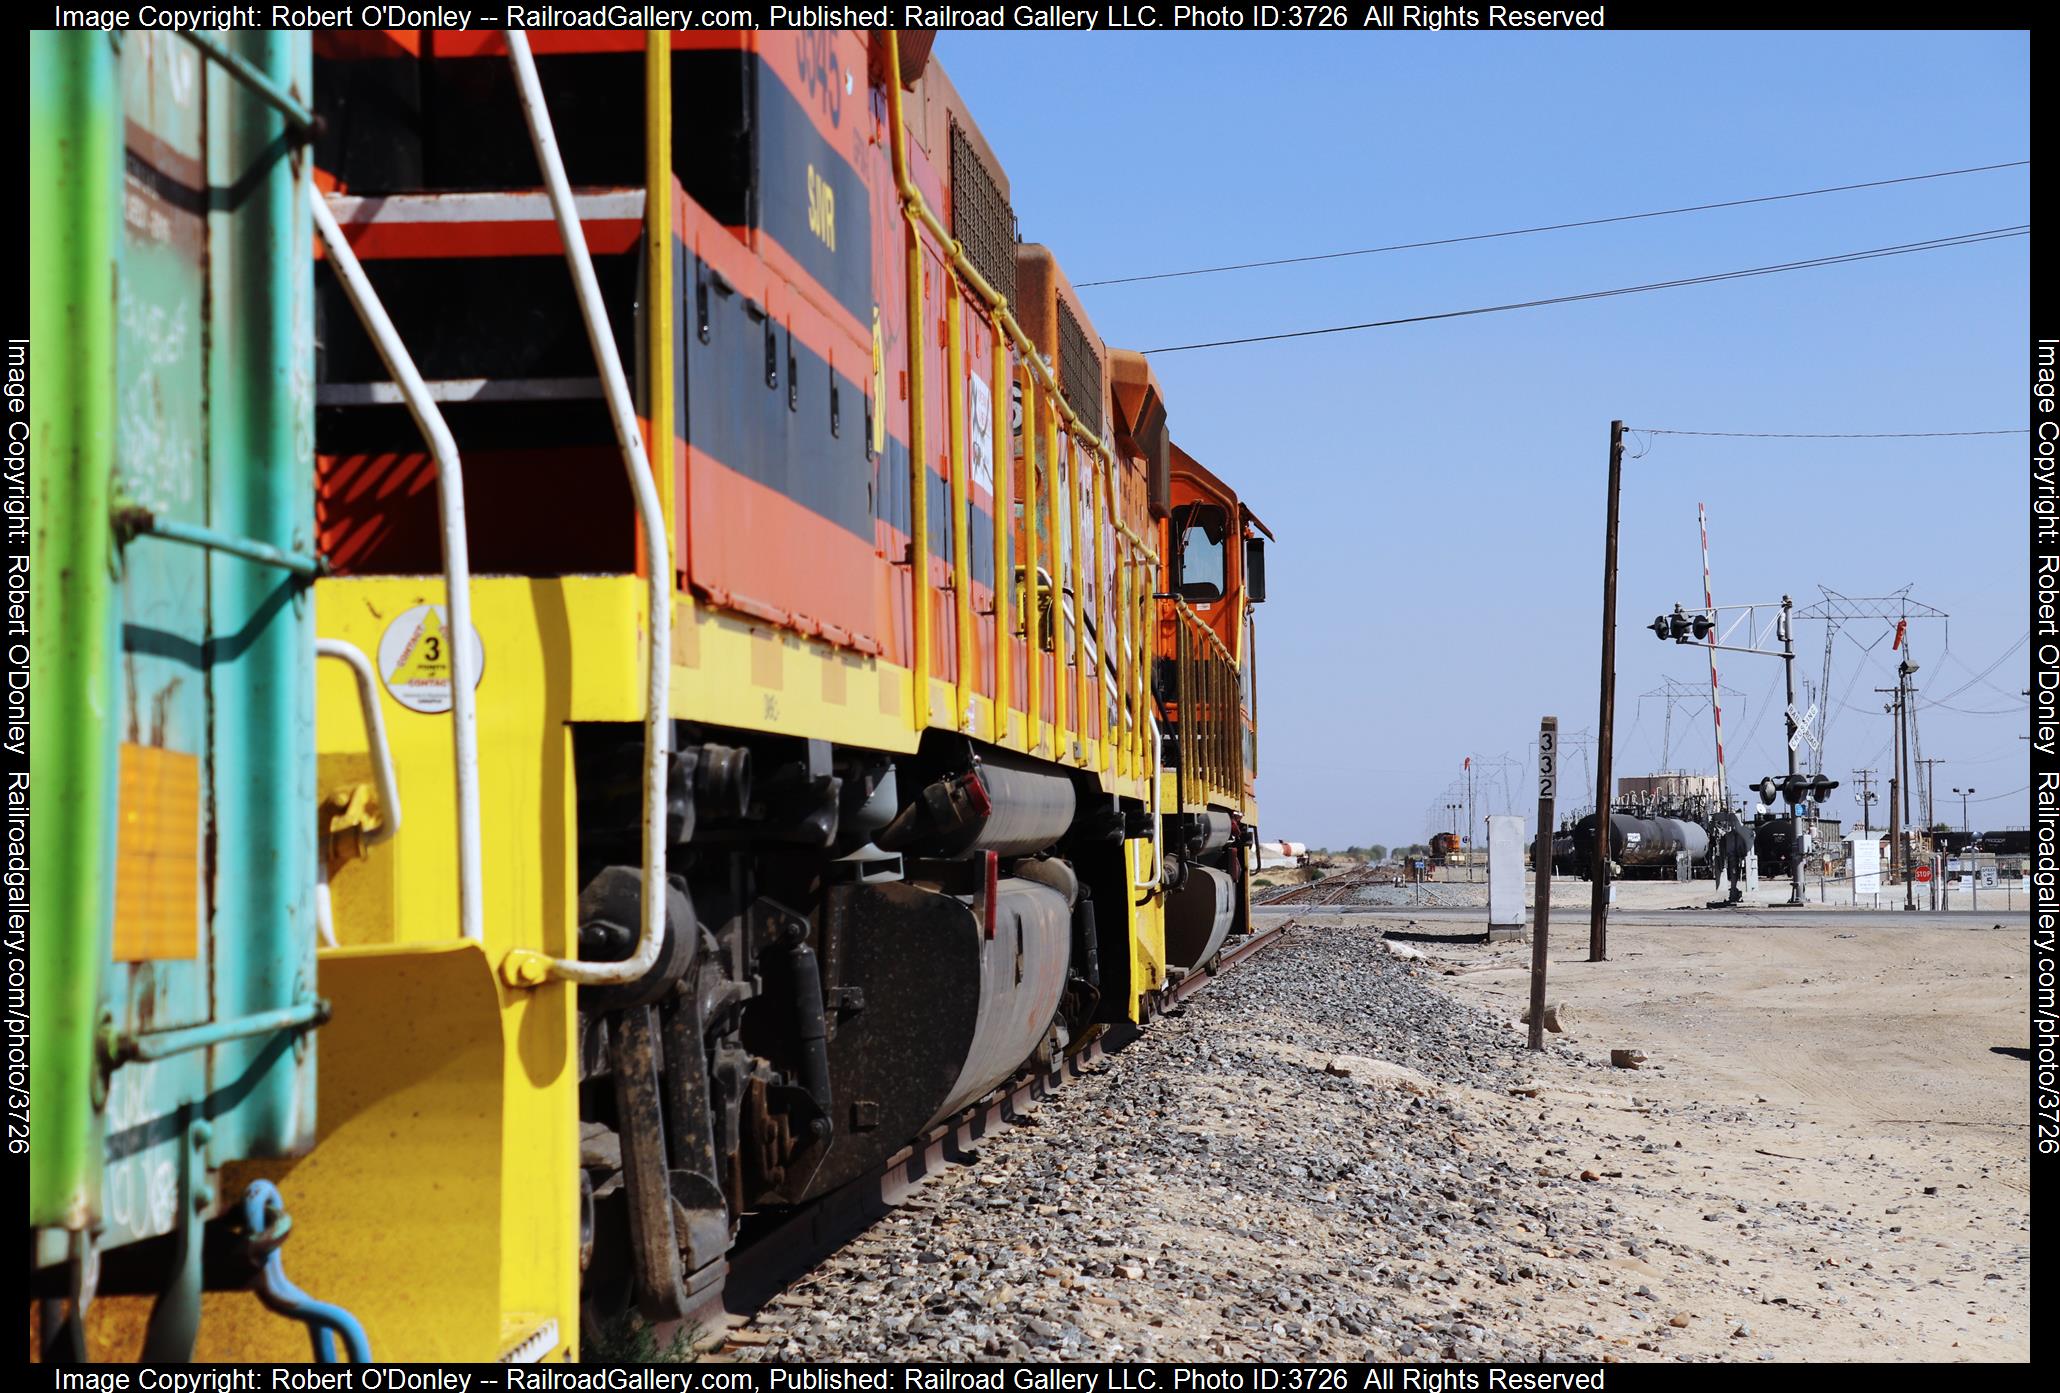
(448, 225)
(1709, 603)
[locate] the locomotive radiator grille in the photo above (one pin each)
(1080, 370)
(981, 218)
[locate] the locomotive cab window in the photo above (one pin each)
(1201, 529)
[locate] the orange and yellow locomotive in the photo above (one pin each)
(818, 686)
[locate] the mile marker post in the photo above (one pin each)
(1541, 859)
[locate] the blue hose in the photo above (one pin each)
(264, 1215)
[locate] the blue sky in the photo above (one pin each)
(1437, 489)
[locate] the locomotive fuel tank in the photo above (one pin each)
(945, 1003)
(1198, 917)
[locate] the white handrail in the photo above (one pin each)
(457, 565)
(650, 512)
(383, 777)
(1157, 870)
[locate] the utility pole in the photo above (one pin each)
(1866, 778)
(1605, 725)
(1899, 790)
(1895, 762)
(1930, 786)
(1469, 817)
(1903, 694)
(1541, 863)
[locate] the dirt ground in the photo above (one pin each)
(1823, 1119)
(1573, 893)
(1341, 1150)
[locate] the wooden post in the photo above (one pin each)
(1541, 859)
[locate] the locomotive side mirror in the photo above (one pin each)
(1255, 570)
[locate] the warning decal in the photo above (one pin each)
(415, 659)
(980, 431)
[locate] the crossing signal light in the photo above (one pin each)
(1680, 627)
(1794, 788)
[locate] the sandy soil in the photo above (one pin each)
(1822, 1159)
(1571, 893)
(1823, 1126)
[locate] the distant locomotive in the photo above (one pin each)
(819, 684)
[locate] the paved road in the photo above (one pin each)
(1563, 915)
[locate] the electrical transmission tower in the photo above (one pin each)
(1695, 696)
(1839, 611)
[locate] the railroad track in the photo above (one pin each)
(1340, 889)
(1330, 890)
(772, 1255)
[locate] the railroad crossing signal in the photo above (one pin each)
(1682, 627)
(1802, 727)
(1793, 789)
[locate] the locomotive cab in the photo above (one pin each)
(1213, 549)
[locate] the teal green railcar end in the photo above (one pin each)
(174, 840)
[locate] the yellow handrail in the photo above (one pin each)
(1002, 489)
(1209, 721)
(918, 210)
(1138, 540)
(1037, 373)
(658, 271)
(919, 489)
(961, 512)
(1058, 610)
(1033, 614)
(1126, 628)
(1102, 748)
(1200, 623)
(1074, 462)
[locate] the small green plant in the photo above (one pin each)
(626, 1339)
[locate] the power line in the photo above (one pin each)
(1548, 227)
(1979, 677)
(1963, 239)
(1971, 711)
(2022, 639)
(1827, 435)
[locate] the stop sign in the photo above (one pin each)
(1923, 873)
